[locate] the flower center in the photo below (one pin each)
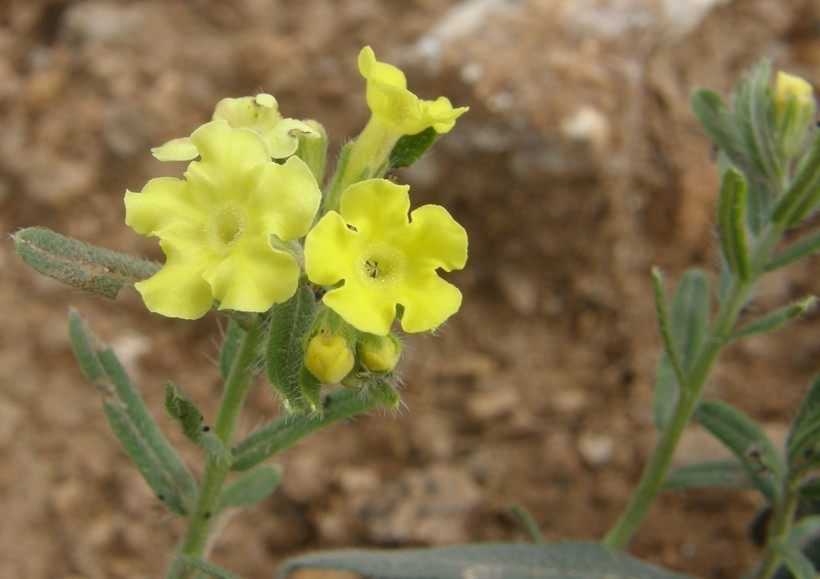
(381, 265)
(225, 227)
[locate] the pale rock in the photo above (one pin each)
(682, 17)
(305, 478)
(428, 506)
(595, 449)
(519, 290)
(493, 404)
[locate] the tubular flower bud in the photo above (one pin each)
(379, 353)
(328, 357)
(788, 87)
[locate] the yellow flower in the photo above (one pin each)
(386, 259)
(391, 102)
(328, 358)
(223, 228)
(260, 114)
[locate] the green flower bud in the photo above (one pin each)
(379, 353)
(328, 358)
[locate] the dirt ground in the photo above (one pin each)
(578, 166)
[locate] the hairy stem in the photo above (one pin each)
(201, 519)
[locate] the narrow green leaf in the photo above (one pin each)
(80, 265)
(753, 108)
(803, 434)
(142, 455)
(410, 148)
(311, 390)
(684, 330)
(211, 570)
(287, 430)
(230, 346)
(804, 247)
(719, 474)
(795, 561)
(691, 306)
(383, 392)
(190, 420)
(135, 429)
(670, 372)
(748, 442)
(148, 446)
(183, 411)
(570, 560)
(85, 345)
(744, 133)
(804, 531)
(249, 489)
(809, 489)
(667, 392)
(803, 195)
(284, 352)
(731, 221)
(804, 447)
(528, 522)
(775, 320)
(714, 117)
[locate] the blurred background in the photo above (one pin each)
(578, 167)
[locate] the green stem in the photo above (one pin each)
(784, 515)
(201, 519)
(654, 474)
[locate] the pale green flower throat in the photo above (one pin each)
(225, 227)
(382, 265)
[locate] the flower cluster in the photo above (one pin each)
(248, 223)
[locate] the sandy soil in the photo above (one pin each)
(578, 166)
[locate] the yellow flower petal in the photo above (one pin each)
(176, 150)
(428, 301)
(441, 115)
(376, 207)
(227, 155)
(363, 308)
(177, 290)
(381, 72)
(253, 278)
(331, 242)
(156, 206)
(436, 239)
(261, 115)
(293, 191)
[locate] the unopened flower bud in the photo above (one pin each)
(379, 353)
(788, 86)
(328, 358)
(794, 110)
